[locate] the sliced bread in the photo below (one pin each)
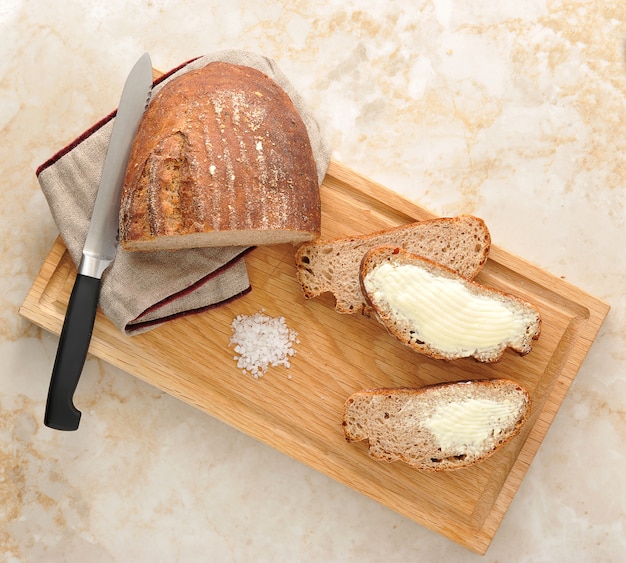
(432, 309)
(440, 427)
(461, 243)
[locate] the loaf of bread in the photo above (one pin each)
(437, 428)
(432, 309)
(462, 243)
(221, 158)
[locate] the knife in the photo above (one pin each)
(98, 252)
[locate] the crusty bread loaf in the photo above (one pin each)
(221, 158)
(462, 243)
(432, 309)
(441, 427)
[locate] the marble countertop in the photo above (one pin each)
(512, 111)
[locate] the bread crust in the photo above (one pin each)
(384, 428)
(332, 265)
(221, 157)
(407, 333)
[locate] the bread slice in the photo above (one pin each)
(435, 311)
(461, 243)
(440, 427)
(221, 158)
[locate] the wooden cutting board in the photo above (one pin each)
(298, 410)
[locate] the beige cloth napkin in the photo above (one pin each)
(143, 290)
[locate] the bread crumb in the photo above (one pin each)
(261, 341)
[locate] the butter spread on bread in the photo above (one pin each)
(439, 313)
(467, 423)
(462, 243)
(221, 158)
(439, 427)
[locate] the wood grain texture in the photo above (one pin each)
(298, 410)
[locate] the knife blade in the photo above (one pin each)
(99, 251)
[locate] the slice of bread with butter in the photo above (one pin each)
(433, 310)
(440, 427)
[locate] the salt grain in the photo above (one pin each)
(260, 342)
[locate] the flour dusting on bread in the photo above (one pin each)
(221, 158)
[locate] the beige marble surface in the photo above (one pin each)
(514, 111)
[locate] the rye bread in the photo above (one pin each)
(462, 243)
(222, 158)
(406, 424)
(474, 321)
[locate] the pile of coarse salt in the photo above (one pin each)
(261, 341)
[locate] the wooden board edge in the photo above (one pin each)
(381, 194)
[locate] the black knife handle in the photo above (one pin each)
(61, 414)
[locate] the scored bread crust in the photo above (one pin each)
(462, 243)
(393, 421)
(409, 333)
(221, 158)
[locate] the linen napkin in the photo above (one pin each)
(142, 290)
